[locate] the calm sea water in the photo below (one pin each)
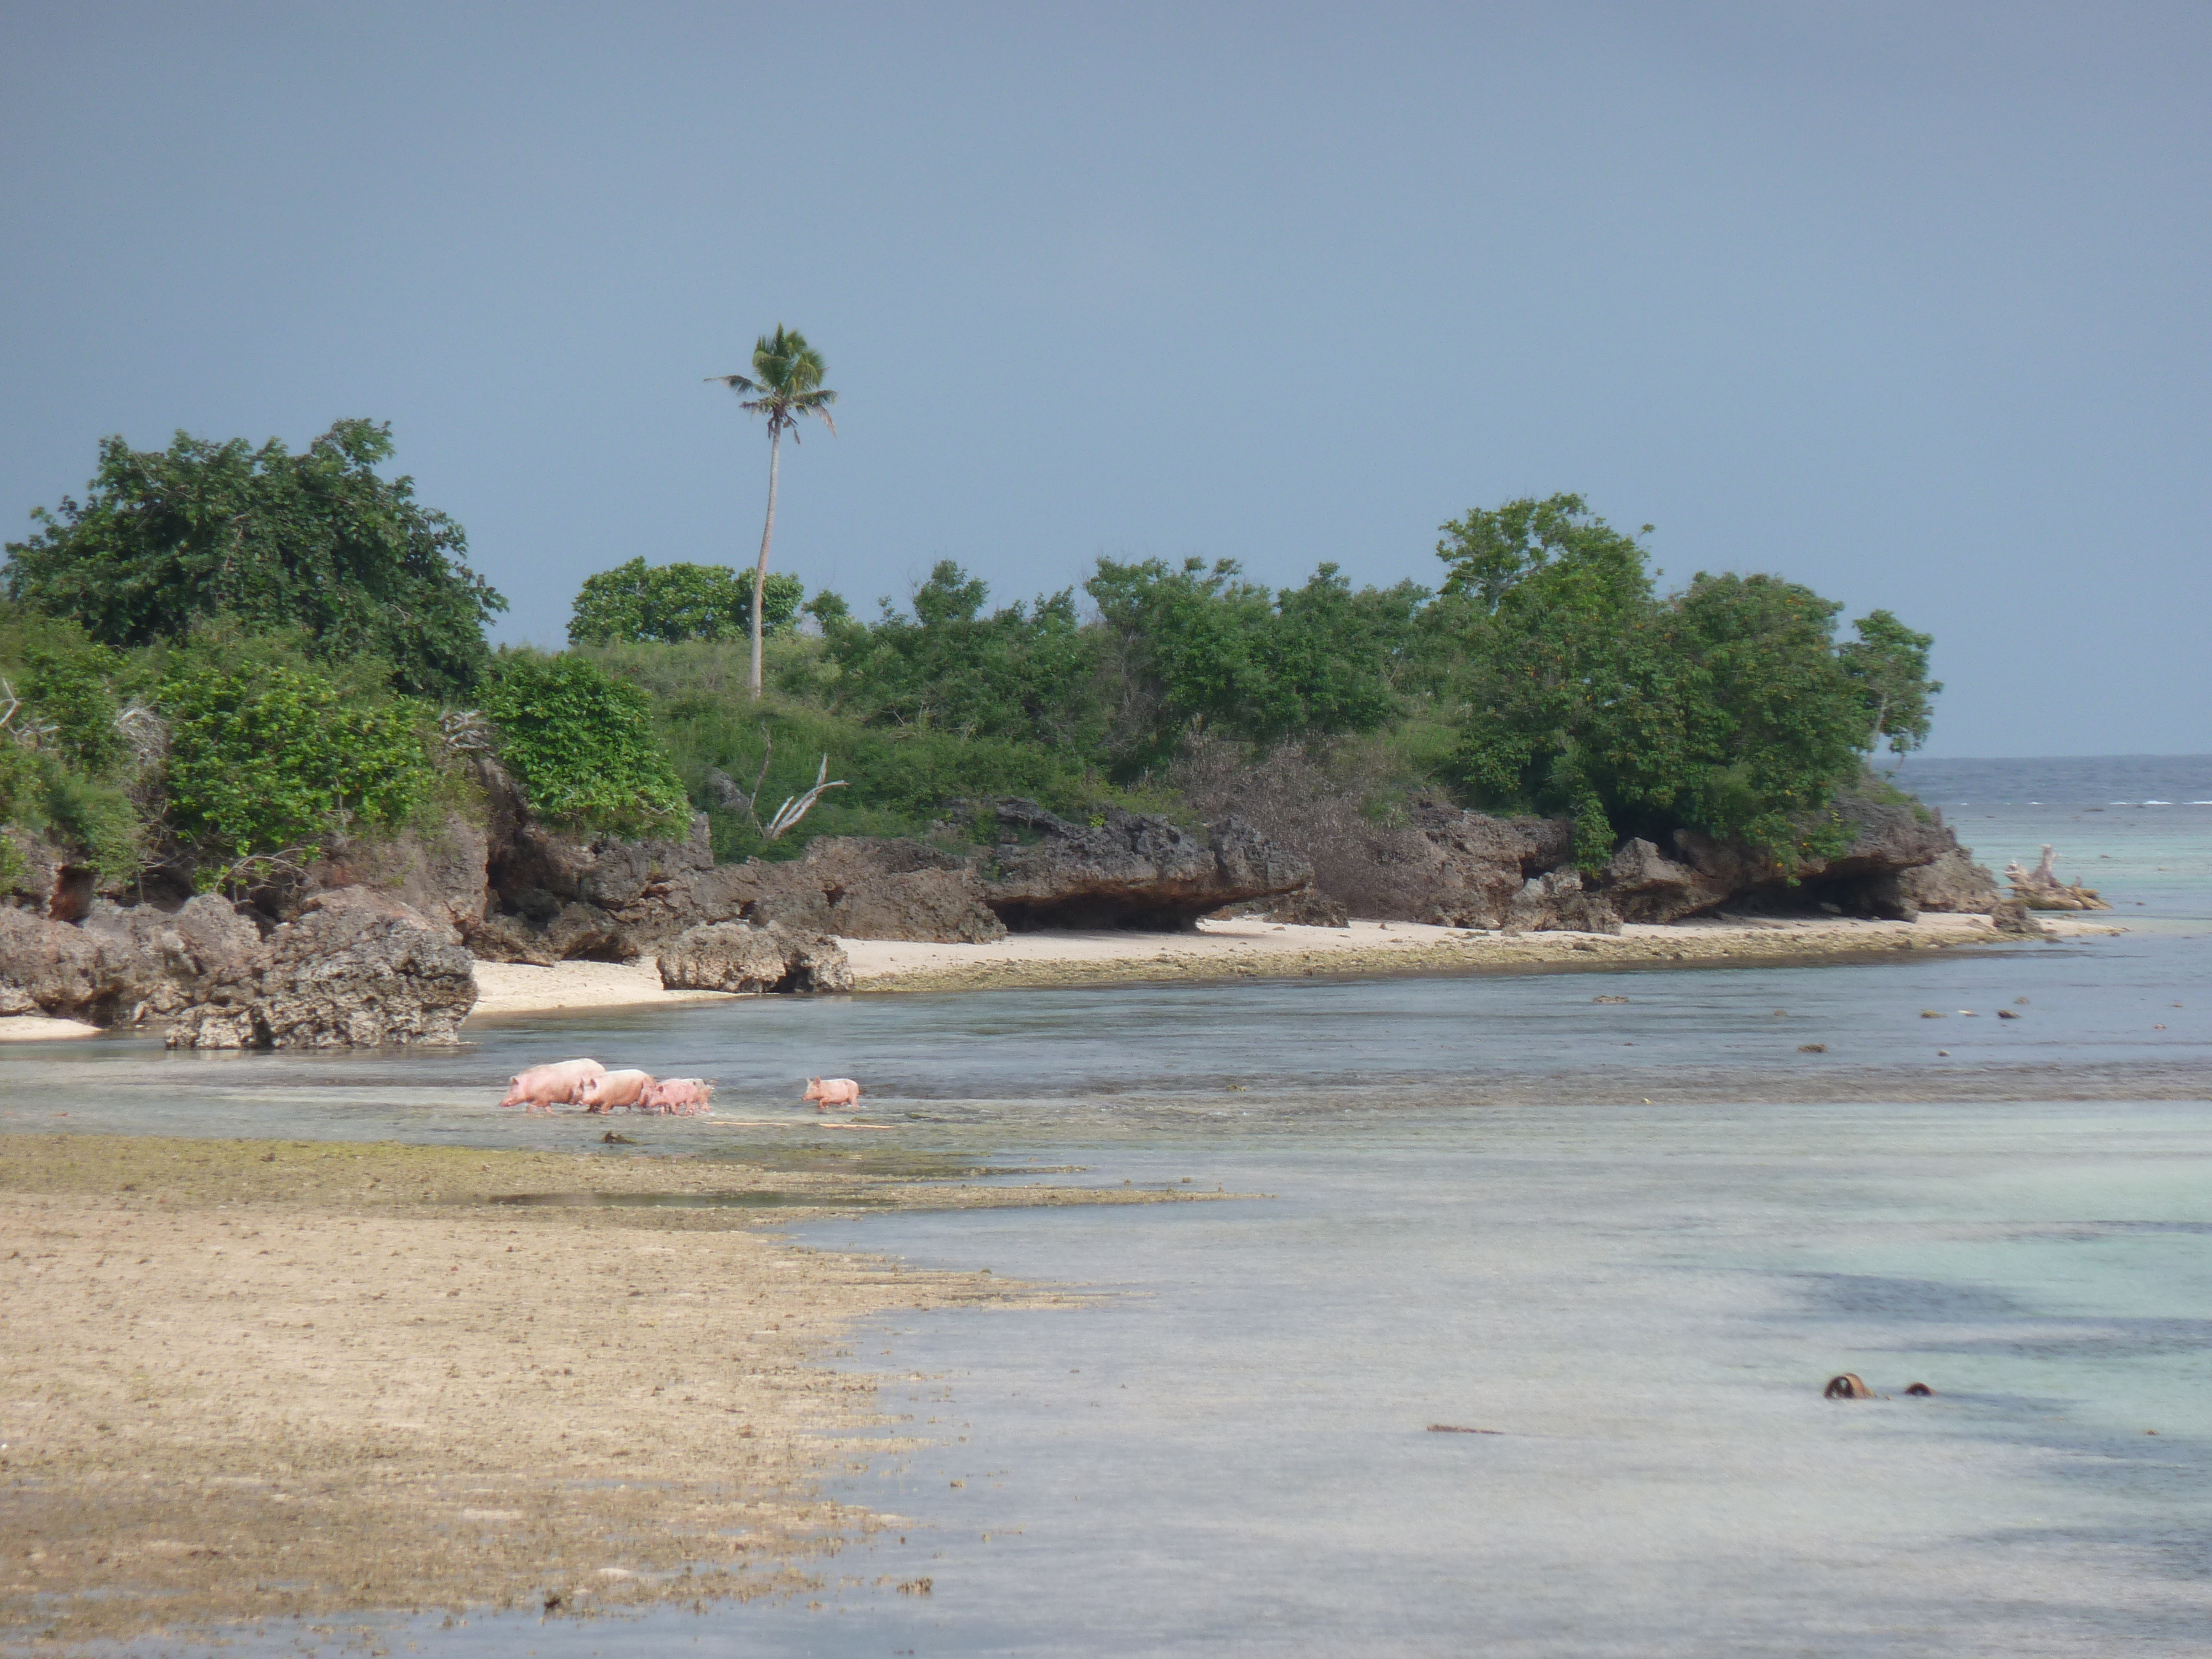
(1476, 1219)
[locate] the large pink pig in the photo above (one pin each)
(612, 1089)
(679, 1096)
(828, 1091)
(547, 1086)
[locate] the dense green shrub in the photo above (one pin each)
(675, 602)
(264, 756)
(1199, 650)
(1021, 672)
(1729, 707)
(582, 745)
(165, 539)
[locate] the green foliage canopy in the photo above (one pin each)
(1889, 663)
(1728, 708)
(165, 539)
(1021, 672)
(1199, 649)
(673, 603)
(581, 744)
(264, 756)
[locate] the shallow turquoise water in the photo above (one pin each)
(1476, 1219)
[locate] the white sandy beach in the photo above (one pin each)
(1223, 950)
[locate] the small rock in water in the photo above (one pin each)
(613, 1139)
(1608, 999)
(1942, 1053)
(1929, 1013)
(2007, 1014)
(1454, 1428)
(2019, 1002)
(1812, 1048)
(1921, 1389)
(1782, 1013)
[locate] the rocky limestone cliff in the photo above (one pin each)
(1466, 869)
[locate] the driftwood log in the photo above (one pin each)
(2039, 889)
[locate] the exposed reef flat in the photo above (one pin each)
(246, 1379)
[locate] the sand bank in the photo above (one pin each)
(37, 1028)
(1233, 950)
(245, 1379)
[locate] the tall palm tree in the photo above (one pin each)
(786, 383)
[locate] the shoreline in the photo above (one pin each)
(1230, 952)
(260, 1379)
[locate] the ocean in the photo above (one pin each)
(1628, 1240)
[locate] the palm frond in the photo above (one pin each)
(735, 382)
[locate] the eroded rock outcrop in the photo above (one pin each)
(1129, 869)
(356, 968)
(737, 957)
(57, 969)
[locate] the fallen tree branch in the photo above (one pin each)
(795, 807)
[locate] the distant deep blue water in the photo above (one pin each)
(1476, 1219)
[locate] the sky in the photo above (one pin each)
(1906, 302)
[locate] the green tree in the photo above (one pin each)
(1727, 708)
(165, 538)
(1889, 663)
(673, 603)
(1201, 649)
(582, 745)
(264, 756)
(786, 383)
(1021, 671)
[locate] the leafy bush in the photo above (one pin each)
(165, 540)
(267, 756)
(582, 745)
(675, 602)
(1022, 672)
(1199, 650)
(1728, 708)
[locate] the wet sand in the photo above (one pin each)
(253, 1379)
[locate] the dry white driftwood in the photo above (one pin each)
(795, 807)
(2039, 889)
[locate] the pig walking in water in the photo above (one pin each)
(612, 1089)
(561, 1083)
(678, 1097)
(828, 1091)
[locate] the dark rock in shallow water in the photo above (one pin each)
(356, 970)
(53, 968)
(2011, 916)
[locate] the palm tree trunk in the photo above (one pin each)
(760, 570)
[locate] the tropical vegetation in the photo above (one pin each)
(225, 656)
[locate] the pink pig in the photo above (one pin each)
(612, 1089)
(679, 1096)
(828, 1091)
(547, 1086)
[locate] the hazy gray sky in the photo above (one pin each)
(1903, 301)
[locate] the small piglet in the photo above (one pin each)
(605, 1093)
(561, 1083)
(828, 1091)
(678, 1097)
